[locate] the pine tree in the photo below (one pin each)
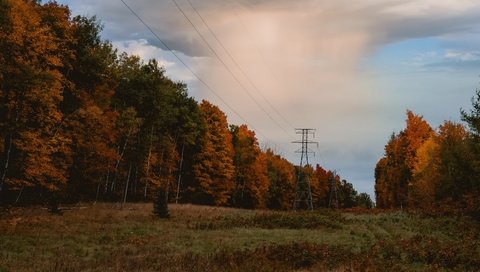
(160, 206)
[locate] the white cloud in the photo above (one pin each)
(458, 55)
(430, 7)
(144, 50)
(174, 69)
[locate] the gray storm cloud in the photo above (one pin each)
(387, 21)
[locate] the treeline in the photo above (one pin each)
(79, 121)
(432, 169)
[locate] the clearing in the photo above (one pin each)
(106, 237)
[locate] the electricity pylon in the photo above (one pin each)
(333, 191)
(303, 191)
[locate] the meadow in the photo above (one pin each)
(108, 237)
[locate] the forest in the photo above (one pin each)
(80, 121)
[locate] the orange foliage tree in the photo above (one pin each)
(35, 151)
(251, 181)
(321, 191)
(281, 175)
(213, 168)
(393, 173)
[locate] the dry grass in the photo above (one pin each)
(106, 237)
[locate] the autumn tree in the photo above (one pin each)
(426, 173)
(35, 151)
(416, 133)
(281, 175)
(251, 181)
(444, 167)
(321, 190)
(393, 173)
(213, 168)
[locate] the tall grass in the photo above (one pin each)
(104, 237)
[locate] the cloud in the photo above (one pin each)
(143, 50)
(146, 51)
(382, 21)
(449, 60)
(462, 56)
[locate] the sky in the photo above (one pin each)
(349, 69)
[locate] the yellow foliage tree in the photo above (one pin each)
(425, 173)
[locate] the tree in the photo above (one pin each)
(347, 195)
(35, 150)
(321, 192)
(472, 118)
(213, 168)
(364, 201)
(473, 144)
(170, 123)
(160, 206)
(416, 133)
(281, 175)
(426, 174)
(382, 192)
(393, 173)
(455, 177)
(251, 181)
(89, 118)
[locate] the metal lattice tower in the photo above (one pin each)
(303, 190)
(333, 191)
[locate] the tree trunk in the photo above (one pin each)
(96, 196)
(7, 160)
(148, 163)
(106, 181)
(119, 160)
(179, 174)
(136, 181)
(53, 203)
(19, 194)
(169, 168)
(126, 185)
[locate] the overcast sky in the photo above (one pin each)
(349, 69)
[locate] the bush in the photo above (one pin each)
(160, 206)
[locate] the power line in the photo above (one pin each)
(238, 66)
(228, 69)
(195, 74)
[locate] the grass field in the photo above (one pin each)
(105, 237)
